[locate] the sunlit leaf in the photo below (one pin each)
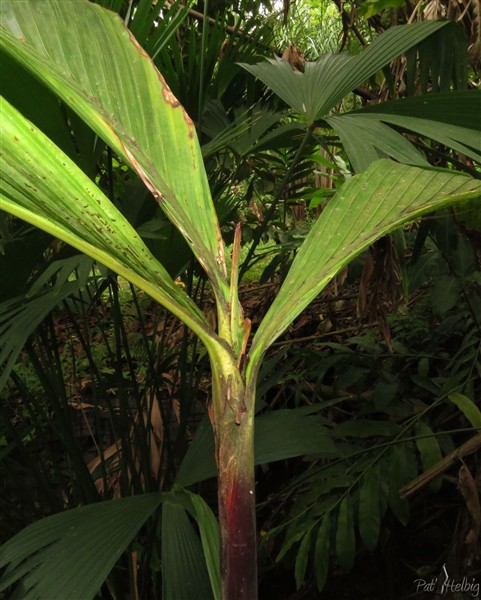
(43, 186)
(87, 56)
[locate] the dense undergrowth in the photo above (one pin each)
(391, 389)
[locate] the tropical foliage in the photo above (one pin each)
(146, 177)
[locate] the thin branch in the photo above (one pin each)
(444, 464)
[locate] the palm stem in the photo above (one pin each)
(232, 417)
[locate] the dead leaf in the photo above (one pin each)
(294, 56)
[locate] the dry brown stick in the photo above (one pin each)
(414, 486)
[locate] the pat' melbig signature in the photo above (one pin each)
(444, 584)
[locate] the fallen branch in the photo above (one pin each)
(443, 465)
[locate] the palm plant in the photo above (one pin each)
(87, 58)
(449, 117)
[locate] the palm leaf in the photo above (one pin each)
(440, 62)
(20, 316)
(366, 140)
(367, 207)
(115, 88)
(184, 571)
(451, 118)
(86, 541)
(40, 105)
(42, 186)
(324, 83)
(458, 108)
(19, 319)
(209, 535)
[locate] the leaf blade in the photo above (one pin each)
(369, 509)
(367, 207)
(184, 572)
(324, 83)
(467, 407)
(38, 184)
(86, 55)
(210, 538)
(345, 535)
(321, 552)
(88, 541)
(429, 450)
(302, 559)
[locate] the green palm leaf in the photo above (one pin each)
(184, 570)
(20, 317)
(367, 207)
(451, 118)
(87, 542)
(43, 186)
(459, 108)
(325, 82)
(70, 554)
(113, 85)
(368, 139)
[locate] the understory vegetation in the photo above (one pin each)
(307, 275)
